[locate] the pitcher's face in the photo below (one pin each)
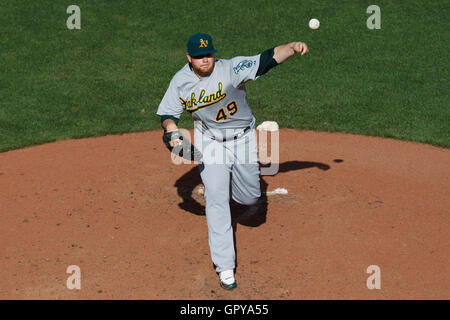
(203, 65)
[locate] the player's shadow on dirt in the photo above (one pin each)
(186, 184)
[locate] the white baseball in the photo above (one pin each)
(314, 24)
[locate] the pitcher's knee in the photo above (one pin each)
(248, 201)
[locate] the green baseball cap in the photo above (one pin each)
(200, 44)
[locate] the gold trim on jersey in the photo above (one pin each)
(193, 104)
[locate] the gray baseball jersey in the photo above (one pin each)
(218, 105)
(218, 102)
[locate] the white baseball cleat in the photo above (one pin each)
(227, 280)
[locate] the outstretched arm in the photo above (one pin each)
(284, 52)
(277, 55)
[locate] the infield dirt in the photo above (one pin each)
(134, 222)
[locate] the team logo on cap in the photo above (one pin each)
(203, 43)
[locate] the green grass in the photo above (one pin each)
(57, 83)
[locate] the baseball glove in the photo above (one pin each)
(185, 150)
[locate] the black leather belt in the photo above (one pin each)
(240, 134)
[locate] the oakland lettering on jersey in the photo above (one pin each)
(193, 104)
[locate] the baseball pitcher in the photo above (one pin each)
(213, 92)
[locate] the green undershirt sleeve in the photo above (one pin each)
(266, 62)
(166, 116)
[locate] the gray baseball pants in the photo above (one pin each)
(233, 161)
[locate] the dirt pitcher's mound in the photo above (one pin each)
(134, 223)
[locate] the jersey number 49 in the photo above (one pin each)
(231, 107)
